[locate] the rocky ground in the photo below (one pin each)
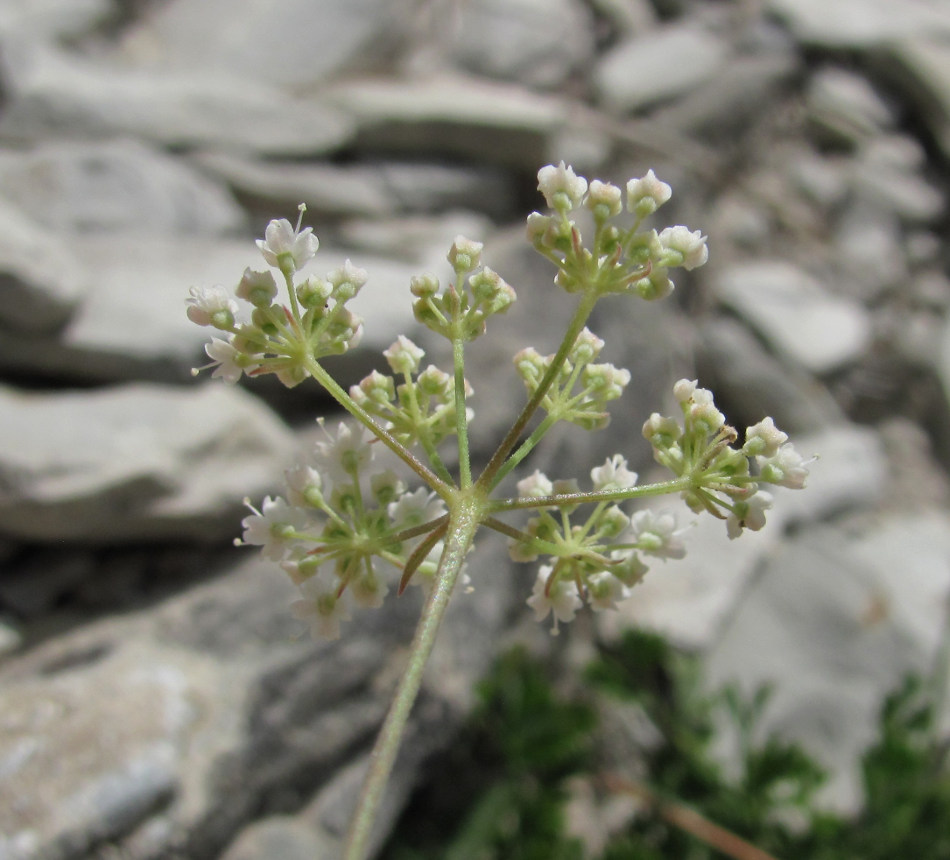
(156, 698)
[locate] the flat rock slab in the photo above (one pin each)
(130, 322)
(163, 732)
(795, 314)
(135, 462)
(834, 624)
(860, 23)
(658, 65)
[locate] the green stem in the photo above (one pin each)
(661, 488)
(463, 523)
(336, 391)
(490, 477)
(461, 419)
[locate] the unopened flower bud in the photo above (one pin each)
(314, 292)
(404, 356)
(424, 286)
(561, 187)
(684, 247)
(258, 288)
(604, 200)
(464, 254)
(646, 194)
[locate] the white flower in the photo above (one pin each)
(404, 356)
(284, 246)
(344, 454)
(537, 484)
(258, 288)
(683, 389)
(415, 509)
(229, 363)
(605, 194)
(561, 180)
(274, 527)
(561, 598)
(657, 535)
(206, 303)
(604, 590)
(787, 468)
(367, 589)
(763, 439)
(613, 475)
(646, 194)
(688, 246)
(321, 607)
(304, 485)
(748, 514)
(464, 255)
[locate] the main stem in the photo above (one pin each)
(467, 510)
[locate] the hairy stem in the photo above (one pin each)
(490, 477)
(336, 391)
(463, 523)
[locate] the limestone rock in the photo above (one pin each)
(658, 65)
(120, 185)
(799, 319)
(135, 462)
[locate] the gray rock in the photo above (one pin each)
(131, 323)
(136, 462)
(364, 190)
(750, 382)
(887, 175)
(52, 19)
(39, 280)
(538, 43)
(690, 600)
(733, 96)
(53, 94)
(657, 66)
(290, 44)
(464, 117)
(115, 185)
(833, 625)
(194, 716)
(868, 248)
(796, 315)
(858, 24)
(845, 107)
(823, 179)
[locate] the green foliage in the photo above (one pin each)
(503, 794)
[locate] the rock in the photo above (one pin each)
(860, 24)
(290, 45)
(54, 94)
(131, 323)
(363, 190)
(39, 280)
(183, 721)
(846, 108)
(750, 382)
(798, 318)
(868, 249)
(114, 185)
(920, 69)
(52, 19)
(135, 462)
(833, 625)
(657, 66)
(732, 97)
(452, 115)
(537, 43)
(888, 177)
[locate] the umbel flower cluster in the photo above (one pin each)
(349, 527)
